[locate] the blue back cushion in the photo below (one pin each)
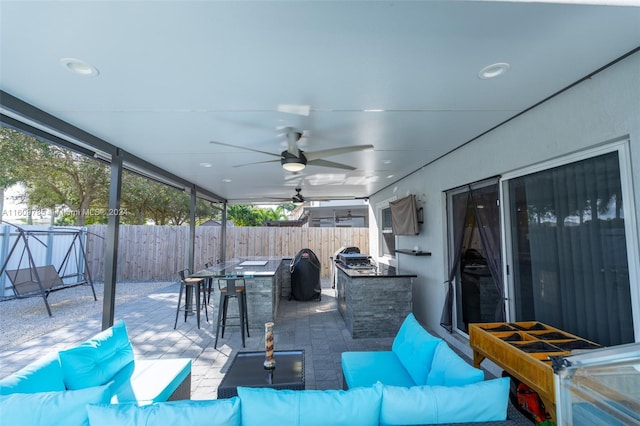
(415, 348)
(43, 375)
(96, 361)
(363, 369)
(51, 408)
(269, 407)
(221, 412)
(448, 369)
(478, 402)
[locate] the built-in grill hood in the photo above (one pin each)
(355, 260)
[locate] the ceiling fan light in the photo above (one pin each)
(292, 165)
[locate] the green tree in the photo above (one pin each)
(14, 151)
(62, 180)
(139, 196)
(244, 215)
(53, 177)
(145, 199)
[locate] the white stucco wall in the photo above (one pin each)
(600, 109)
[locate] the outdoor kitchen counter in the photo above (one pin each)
(267, 280)
(381, 271)
(373, 303)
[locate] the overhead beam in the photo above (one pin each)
(11, 122)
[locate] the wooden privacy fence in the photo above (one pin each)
(156, 253)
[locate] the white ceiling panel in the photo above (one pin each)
(175, 75)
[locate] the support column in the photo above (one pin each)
(223, 234)
(113, 230)
(192, 229)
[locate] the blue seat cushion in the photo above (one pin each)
(363, 369)
(51, 408)
(148, 381)
(43, 375)
(477, 402)
(448, 369)
(269, 407)
(222, 412)
(415, 348)
(96, 361)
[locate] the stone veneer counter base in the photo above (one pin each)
(373, 304)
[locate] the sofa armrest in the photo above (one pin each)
(148, 381)
(448, 369)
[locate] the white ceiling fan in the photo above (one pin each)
(293, 159)
(349, 216)
(298, 198)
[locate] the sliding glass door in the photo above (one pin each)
(475, 223)
(553, 245)
(568, 249)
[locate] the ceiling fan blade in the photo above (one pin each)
(258, 162)
(284, 200)
(295, 109)
(325, 163)
(335, 151)
(245, 148)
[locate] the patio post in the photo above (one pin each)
(223, 234)
(111, 252)
(192, 229)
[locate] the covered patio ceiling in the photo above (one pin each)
(171, 77)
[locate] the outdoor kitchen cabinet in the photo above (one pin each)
(373, 302)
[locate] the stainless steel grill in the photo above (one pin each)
(355, 261)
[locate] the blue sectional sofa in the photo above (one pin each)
(99, 384)
(364, 406)
(55, 389)
(416, 358)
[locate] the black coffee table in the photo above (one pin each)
(247, 370)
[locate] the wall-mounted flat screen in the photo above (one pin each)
(404, 216)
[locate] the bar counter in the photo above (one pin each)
(266, 281)
(373, 303)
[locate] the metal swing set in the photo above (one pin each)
(33, 280)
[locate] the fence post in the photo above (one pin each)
(82, 258)
(49, 255)
(4, 252)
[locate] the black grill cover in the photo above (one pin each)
(305, 276)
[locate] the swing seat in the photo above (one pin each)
(25, 282)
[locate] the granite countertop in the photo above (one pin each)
(382, 271)
(245, 267)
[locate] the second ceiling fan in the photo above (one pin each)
(294, 159)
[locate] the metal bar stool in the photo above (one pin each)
(209, 283)
(189, 286)
(229, 290)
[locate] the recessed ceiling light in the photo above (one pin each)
(386, 162)
(373, 110)
(389, 176)
(79, 67)
(493, 70)
(205, 164)
(226, 180)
